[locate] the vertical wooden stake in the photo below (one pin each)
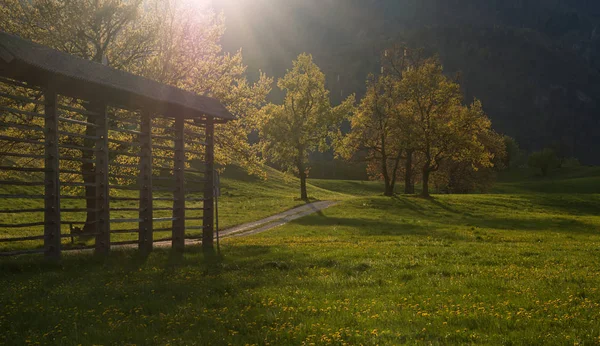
(179, 192)
(52, 243)
(102, 188)
(208, 218)
(146, 231)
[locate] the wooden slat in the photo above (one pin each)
(124, 209)
(165, 138)
(178, 232)
(78, 110)
(128, 144)
(124, 165)
(10, 240)
(21, 126)
(76, 159)
(163, 219)
(74, 184)
(21, 252)
(124, 153)
(22, 225)
(78, 135)
(21, 140)
(22, 211)
(77, 210)
(124, 187)
(22, 183)
(191, 170)
(52, 220)
(29, 156)
(17, 196)
(122, 176)
(76, 147)
(133, 132)
(146, 212)
(22, 169)
(18, 84)
(123, 199)
(102, 188)
(22, 112)
(21, 98)
(124, 220)
(196, 199)
(125, 242)
(124, 231)
(208, 215)
(77, 122)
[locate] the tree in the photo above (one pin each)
(444, 128)
(381, 132)
(376, 132)
(305, 120)
(544, 160)
(174, 42)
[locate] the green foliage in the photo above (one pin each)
(304, 122)
(515, 157)
(445, 130)
(544, 160)
(176, 42)
(381, 131)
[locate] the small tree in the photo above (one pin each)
(544, 161)
(305, 120)
(514, 155)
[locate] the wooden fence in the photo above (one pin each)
(78, 174)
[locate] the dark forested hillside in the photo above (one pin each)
(534, 63)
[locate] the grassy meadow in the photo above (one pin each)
(517, 266)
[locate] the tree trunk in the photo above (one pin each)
(425, 192)
(389, 188)
(303, 193)
(409, 185)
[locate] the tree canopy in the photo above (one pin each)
(305, 120)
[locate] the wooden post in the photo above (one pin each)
(146, 231)
(102, 188)
(178, 241)
(208, 217)
(52, 243)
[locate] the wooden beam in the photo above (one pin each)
(102, 184)
(178, 241)
(209, 216)
(146, 232)
(52, 244)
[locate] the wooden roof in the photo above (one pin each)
(75, 77)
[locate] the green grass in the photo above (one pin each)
(568, 180)
(504, 268)
(244, 198)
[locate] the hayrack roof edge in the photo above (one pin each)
(76, 77)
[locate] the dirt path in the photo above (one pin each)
(265, 224)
